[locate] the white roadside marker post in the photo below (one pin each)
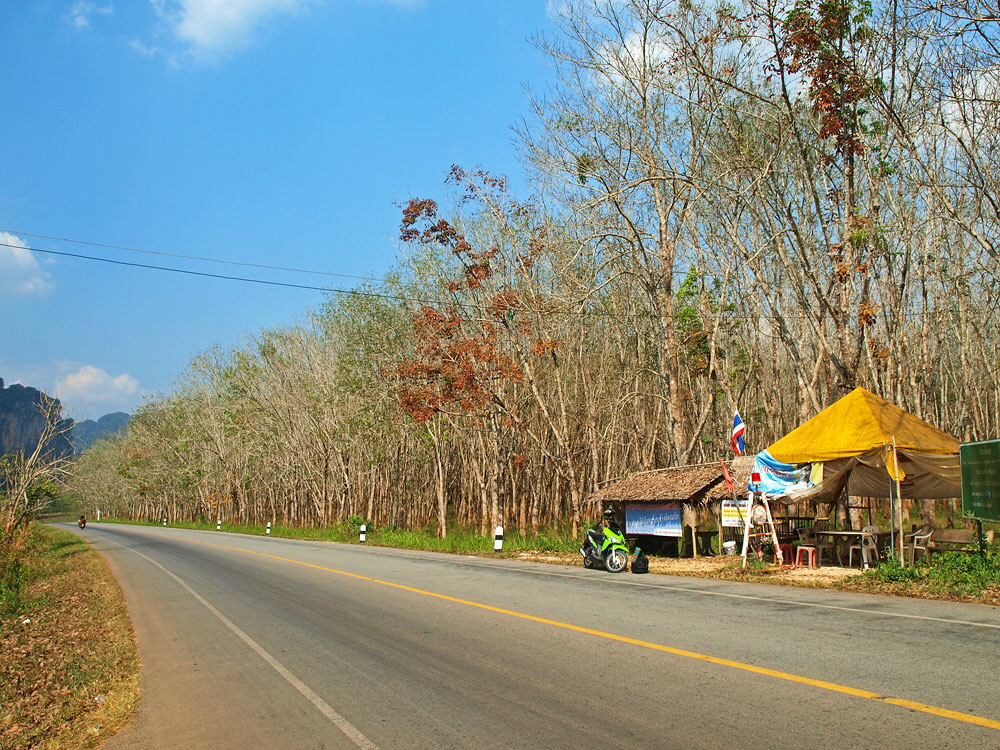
(268, 528)
(164, 520)
(364, 531)
(498, 539)
(218, 524)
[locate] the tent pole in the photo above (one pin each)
(899, 501)
(892, 518)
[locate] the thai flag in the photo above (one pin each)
(738, 429)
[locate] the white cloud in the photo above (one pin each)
(83, 10)
(20, 274)
(216, 28)
(93, 387)
(146, 50)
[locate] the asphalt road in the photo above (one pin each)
(263, 642)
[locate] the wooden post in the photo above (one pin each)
(754, 481)
(746, 529)
(774, 533)
(718, 523)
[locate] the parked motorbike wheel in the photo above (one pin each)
(616, 561)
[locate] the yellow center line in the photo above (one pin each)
(787, 676)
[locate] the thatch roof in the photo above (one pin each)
(697, 483)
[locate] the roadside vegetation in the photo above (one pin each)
(68, 666)
(29, 485)
(955, 576)
(69, 674)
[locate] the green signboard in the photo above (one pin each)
(981, 480)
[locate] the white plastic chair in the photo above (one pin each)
(918, 541)
(867, 549)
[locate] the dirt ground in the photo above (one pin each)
(725, 568)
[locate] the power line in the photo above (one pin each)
(229, 262)
(186, 257)
(267, 282)
(395, 297)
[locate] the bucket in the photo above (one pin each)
(729, 548)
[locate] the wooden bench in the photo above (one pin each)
(953, 540)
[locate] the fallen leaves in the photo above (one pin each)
(69, 664)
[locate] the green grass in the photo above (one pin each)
(12, 580)
(948, 575)
(959, 573)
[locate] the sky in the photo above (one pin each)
(273, 132)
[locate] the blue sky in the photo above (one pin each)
(279, 132)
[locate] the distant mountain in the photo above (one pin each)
(87, 432)
(21, 421)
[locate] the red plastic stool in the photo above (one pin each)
(810, 553)
(787, 553)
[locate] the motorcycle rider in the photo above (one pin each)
(82, 522)
(610, 521)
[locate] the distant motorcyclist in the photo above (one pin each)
(82, 523)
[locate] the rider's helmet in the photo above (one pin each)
(610, 519)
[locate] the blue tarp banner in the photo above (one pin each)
(658, 519)
(777, 478)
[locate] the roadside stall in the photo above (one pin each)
(863, 446)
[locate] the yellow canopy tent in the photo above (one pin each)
(856, 423)
(868, 444)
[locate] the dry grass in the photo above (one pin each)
(69, 674)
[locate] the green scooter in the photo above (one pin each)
(606, 550)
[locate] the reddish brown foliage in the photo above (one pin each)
(458, 363)
(816, 44)
(453, 368)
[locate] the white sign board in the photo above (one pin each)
(733, 513)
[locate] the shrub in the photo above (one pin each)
(952, 574)
(12, 579)
(892, 572)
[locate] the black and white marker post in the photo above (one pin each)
(364, 530)
(218, 524)
(268, 531)
(498, 539)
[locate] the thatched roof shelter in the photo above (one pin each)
(696, 484)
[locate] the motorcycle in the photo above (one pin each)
(82, 523)
(605, 549)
